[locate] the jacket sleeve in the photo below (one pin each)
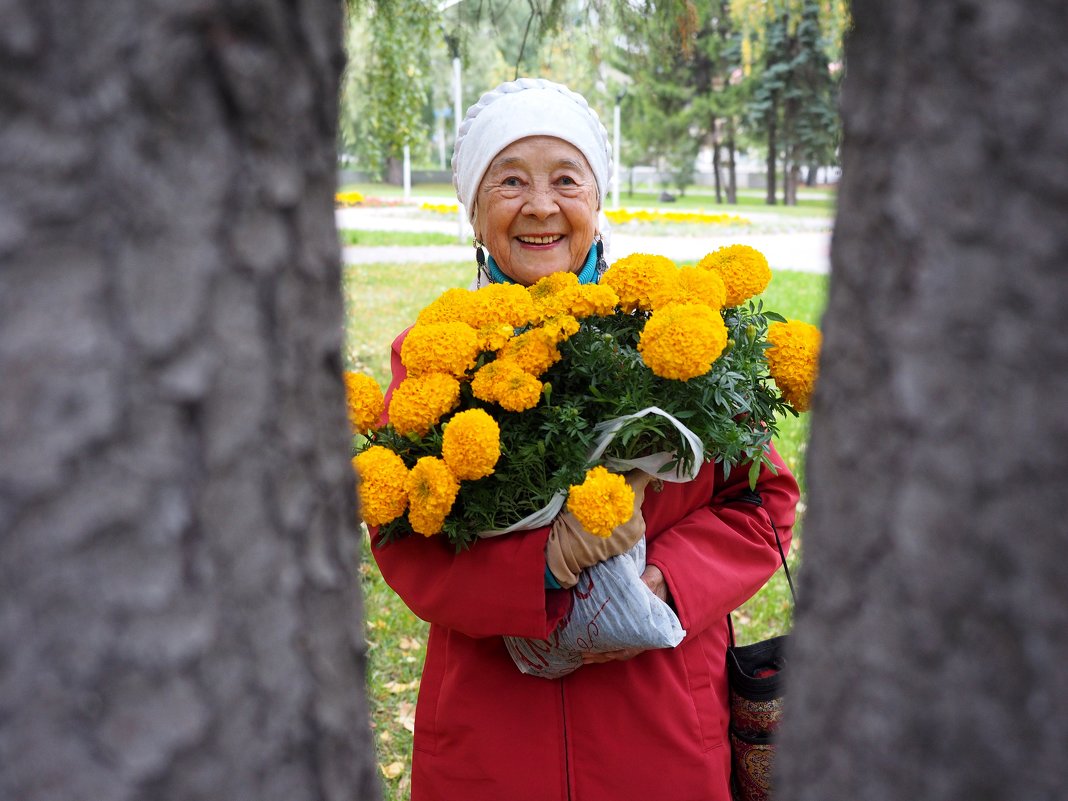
(720, 554)
(495, 587)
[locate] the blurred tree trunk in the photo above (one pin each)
(732, 174)
(932, 634)
(179, 615)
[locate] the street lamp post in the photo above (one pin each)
(454, 48)
(615, 148)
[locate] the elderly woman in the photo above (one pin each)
(531, 168)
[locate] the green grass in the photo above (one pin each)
(380, 301)
(353, 236)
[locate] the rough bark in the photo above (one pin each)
(932, 632)
(179, 617)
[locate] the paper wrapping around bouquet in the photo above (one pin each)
(655, 465)
(612, 609)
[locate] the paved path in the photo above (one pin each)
(802, 250)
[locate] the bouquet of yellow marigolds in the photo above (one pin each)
(508, 388)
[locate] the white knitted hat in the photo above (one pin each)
(516, 110)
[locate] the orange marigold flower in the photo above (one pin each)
(431, 489)
(382, 476)
(636, 278)
(506, 383)
(590, 300)
(561, 328)
(680, 341)
(440, 348)
(534, 351)
(419, 402)
(601, 502)
(744, 271)
(364, 399)
(471, 444)
(494, 336)
(793, 360)
(691, 285)
(447, 308)
(499, 303)
(550, 295)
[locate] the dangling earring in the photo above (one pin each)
(480, 260)
(601, 264)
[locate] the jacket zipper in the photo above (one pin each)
(567, 761)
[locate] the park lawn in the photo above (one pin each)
(380, 301)
(349, 237)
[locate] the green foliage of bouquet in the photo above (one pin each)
(509, 391)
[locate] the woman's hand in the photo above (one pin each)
(654, 580)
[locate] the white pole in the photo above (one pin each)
(407, 172)
(461, 227)
(441, 142)
(615, 157)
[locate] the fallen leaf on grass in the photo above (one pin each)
(409, 644)
(406, 715)
(392, 770)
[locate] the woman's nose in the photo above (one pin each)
(541, 202)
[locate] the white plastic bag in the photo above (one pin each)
(655, 465)
(613, 609)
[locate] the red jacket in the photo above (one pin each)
(653, 727)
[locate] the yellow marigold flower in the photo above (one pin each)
(431, 489)
(550, 295)
(499, 303)
(364, 399)
(793, 360)
(534, 351)
(680, 341)
(471, 444)
(561, 328)
(494, 336)
(601, 502)
(440, 348)
(449, 307)
(744, 271)
(691, 285)
(382, 477)
(636, 278)
(589, 300)
(420, 402)
(506, 383)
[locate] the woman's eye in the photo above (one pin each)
(511, 181)
(567, 180)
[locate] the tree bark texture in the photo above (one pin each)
(179, 616)
(932, 633)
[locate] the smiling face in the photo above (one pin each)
(537, 208)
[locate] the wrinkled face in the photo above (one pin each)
(536, 209)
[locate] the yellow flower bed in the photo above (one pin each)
(344, 199)
(441, 208)
(621, 216)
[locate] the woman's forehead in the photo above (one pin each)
(540, 151)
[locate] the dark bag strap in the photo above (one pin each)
(753, 497)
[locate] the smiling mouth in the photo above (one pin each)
(540, 240)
